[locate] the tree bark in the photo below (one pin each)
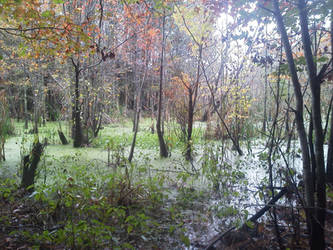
(264, 122)
(188, 154)
(307, 175)
(163, 148)
(192, 95)
(77, 111)
(136, 128)
(35, 94)
(30, 163)
(329, 166)
(318, 235)
(138, 109)
(62, 137)
(312, 152)
(26, 115)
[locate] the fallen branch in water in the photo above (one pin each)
(253, 219)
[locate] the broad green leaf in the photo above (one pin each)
(250, 224)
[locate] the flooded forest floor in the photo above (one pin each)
(93, 198)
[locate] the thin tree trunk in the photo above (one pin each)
(26, 118)
(188, 154)
(136, 128)
(235, 143)
(307, 176)
(77, 116)
(35, 94)
(272, 147)
(163, 148)
(264, 122)
(312, 152)
(136, 88)
(318, 235)
(329, 167)
(126, 99)
(44, 92)
(192, 98)
(138, 111)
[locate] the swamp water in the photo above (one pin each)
(212, 198)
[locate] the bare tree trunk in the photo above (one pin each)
(315, 212)
(77, 111)
(312, 152)
(136, 88)
(126, 99)
(35, 94)
(163, 148)
(329, 167)
(43, 93)
(188, 154)
(30, 164)
(318, 235)
(272, 146)
(264, 122)
(235, 142)
(307, 175)
(192, 98)
(136, 128)
(138, 110)
(26, 115)
(62, 137)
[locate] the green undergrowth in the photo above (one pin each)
(87, 208)
(93, 198)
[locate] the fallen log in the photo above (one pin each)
(253, 219)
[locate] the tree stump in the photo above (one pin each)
(62, 138)
(30, 163)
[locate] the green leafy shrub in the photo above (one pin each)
(87, 210)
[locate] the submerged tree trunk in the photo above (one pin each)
(62, 137)
(30, 163)
(136, 128)
(4, 116)
(163, 148)
(2, 150)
